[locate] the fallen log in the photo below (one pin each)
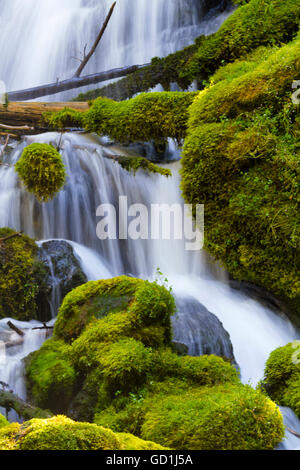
(27, 117)
(15, 328)
(71, 84)
(10, 401)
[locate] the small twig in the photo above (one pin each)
(99, 37)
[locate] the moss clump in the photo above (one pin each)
(96, 299)
(61, 433)
(223, 418)
(51, 376)
(42, 171)
(3, 421)
(21, 277)
(241, 157)
(282, 376)
(133, 164)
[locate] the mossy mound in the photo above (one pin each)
(51, 377)
(282, 376)
(241, 157)
(42, 171)
(114, 338)
(22, 277)
(96, 299)
(61, 433)
(223, 418)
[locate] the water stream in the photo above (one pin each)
(54, 32)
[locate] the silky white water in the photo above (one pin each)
(51, 32)
(40, 40)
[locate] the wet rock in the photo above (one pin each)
(200, 330)
(64, 272)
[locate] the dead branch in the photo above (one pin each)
(15, 328)
(293, 432)
(44, 327)
(87, 57)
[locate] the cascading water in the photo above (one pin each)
(54, 32)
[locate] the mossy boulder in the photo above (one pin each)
(241, 156)
(22, 277)
(111, 357)
(42, 171)
(96, 299)
(50, 376)
(282, 376)
(60, 433)
(223, 418)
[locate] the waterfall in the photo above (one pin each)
(41, 41)
(38, 40)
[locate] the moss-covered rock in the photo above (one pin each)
(61, 433)
(223, 418)
(22, 277)
(42, 171)
(282, 376)
(111, 358)
(50, 376)
(241, 157)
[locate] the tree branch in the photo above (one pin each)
(98, 39)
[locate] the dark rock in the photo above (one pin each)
(200, 330)
(64, 272)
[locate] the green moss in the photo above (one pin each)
(257, 23)
(223, 418)
(133, 164)
(96, 299)
(130, 442)
(3, 421)
(282, 376)
(241, 158)
(21, 277)
(42, 171)
(61, 433)
(50, 376)
(149, 116)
